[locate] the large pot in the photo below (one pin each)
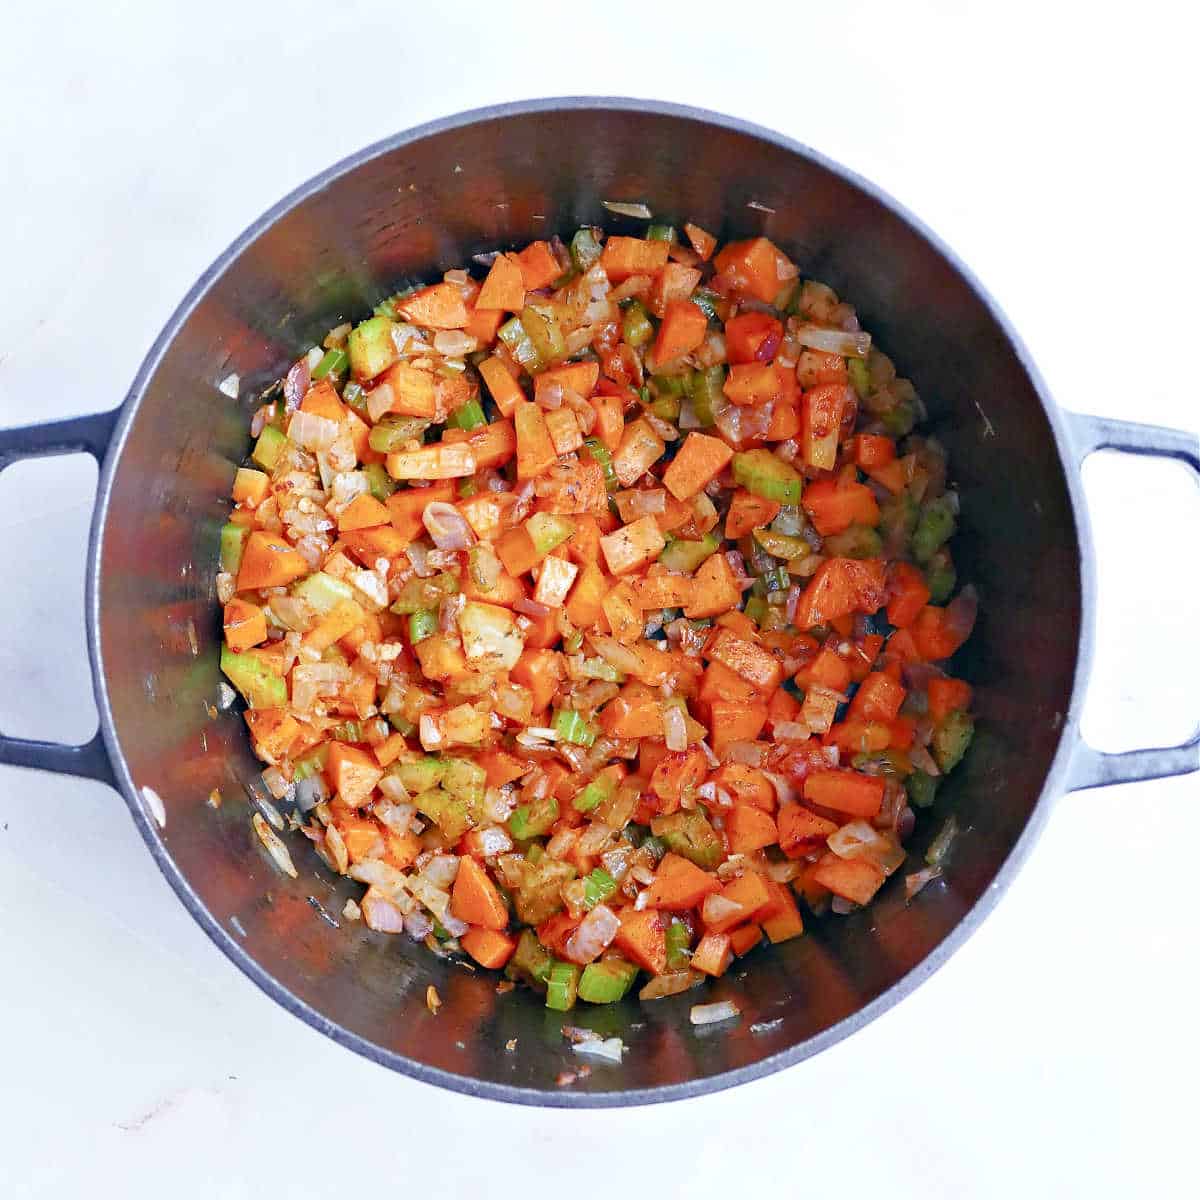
(425, 201)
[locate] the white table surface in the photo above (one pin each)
(1058, 1050)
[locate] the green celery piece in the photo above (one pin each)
(371, 347)
(311, 763)
(636, 329)
(333, 362)
(268, 448)
(776, 579)
(598, 886)
(755, 608)
(951, 737)
(533, 819)
(661, 233)
(689, 834)
(666, 408)
(393, 432)
(686, 557)
(600, 454)
(679, 946)
(233, 543)
(898, 518)
(539, 896)
(401, 724)
(573, 728)
(562, 986)
(585, 248)
(540, 322)
(354, 395)
(322, 591)
(935, 527)
(466, 488)
(548, 531)
(706, 387)
(921, 788)
(859, 541)
(595, 793)
(530, 963)
(347, 731)
(707, 300)
(259, 685)
(574, 643)
(448, 812)
(781, 545)
(421, 775)
(940, 577)
(762, 474)
(860, 377)
(607, 981)
(654, 845)
(422, 624)
(899, 419)
(425, 593)
(465, 780)
(382, 485)
(520, 345)
(468, 416)
(668, 385)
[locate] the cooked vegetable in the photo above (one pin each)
(602, 684)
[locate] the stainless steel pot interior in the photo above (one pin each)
(414, 206)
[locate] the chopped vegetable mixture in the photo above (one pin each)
(595, 612)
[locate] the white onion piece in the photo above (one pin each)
(380, 400)
(716, 908)
(381, 913)
(834, 341)
(674, 727)
(447, 526)
(624, 209)
(707, 1014)
(454, 343)
(593, 934)
(918, 879)
(273, 845)
(669, 984)
(311, 432)
(609, 1048)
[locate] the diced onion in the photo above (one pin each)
(669, 984)
(624, 209)
(381, 913)
(274, 845)
(674, 727)
(918, 879)
(447, 526)
(312, 432)
(716, 908)
(834, 341)
(593, 934)
(608, 1048)
(707, 1014)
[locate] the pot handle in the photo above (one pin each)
(1094, 768)
(75, 435)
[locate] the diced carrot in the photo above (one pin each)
(334, 625)
(762, 269)
(663, 591)
(908, 593)
(610, 421)
(679, 885)
(585, 603)
(639, 450)
(623, 717)
(250, 486)
(539, 267)
(780, 917)
(878, 698)
(674, 282)
(892, 475)
(516, 551)
(504, 287)
(713, 954)
(748, 829)
(936, 637)
(783, 707)
(353, 773)
(744, 938)
(747, 785)
(845, 791)
(945, 696)
(785, 423)
(390, 749)
(699, 461)
(754, 384)
(873, 450)
(535, 450)
(444, 460)
(584, 547)
(406, 507)
(413, 391)
(475, 898)
(540, 671)
(801, 831)
(702, 241)
(505, 390)
(488, 947)
(493, 445)
(245, 625)
(624, 613)
(632, 546)
(854, 879)
(735, 721)
(747, 512)
(683, 329)
(363, 512)
(441, 306)
(642, 938)
(273, 730)
(840, 587)
(720, 683)
(483, 324)
(580, 377)
(563, 427)
(626, 256)
(677, 776)
(750, 892)
(821, 410)
(501, 767)
(752, 337)
(322, 400)
(750, 661)
(268, 561)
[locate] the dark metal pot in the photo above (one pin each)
(425, 201)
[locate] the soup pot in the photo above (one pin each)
(411, 207)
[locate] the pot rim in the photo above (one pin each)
(1056, 777)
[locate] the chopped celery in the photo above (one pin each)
(706, 387)
(595, 793)
(421, 774)
(685, 557)
(512, 333)
(571, 727)
(859, 541)
(425, 593)
(540, 321)
(268, 448)
(940, 577)
(465, 780)
(606, 981)
(688, 832)
(354, 395)
(897, 519)
(585, 248)
(762, 474)
(661, 233)
(636, 329)
(347, 731)
(666, 408)
(574, 643)
(260, 686)
(776, 579)
(548, 531)
(468, 416)
(533, 819)
(679, 946)
(755, 608)
(449, 813)
(333, 362)
(951, 737)
(654, 845)
(935, 527)
(530, 963)
(393, 433)
(539, 896)
(781, 545)
(233, 543)
(322, 591)
(899, 419)
(600, 454)
(371, 347)
(310, 763)
(598, 886)
(562, 986)
(921, 788)
(401, 724)
(668, 385)
(707, 300)
(860, 376)
(382, 485)
(422, 624)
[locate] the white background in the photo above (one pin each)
(1055, 150)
